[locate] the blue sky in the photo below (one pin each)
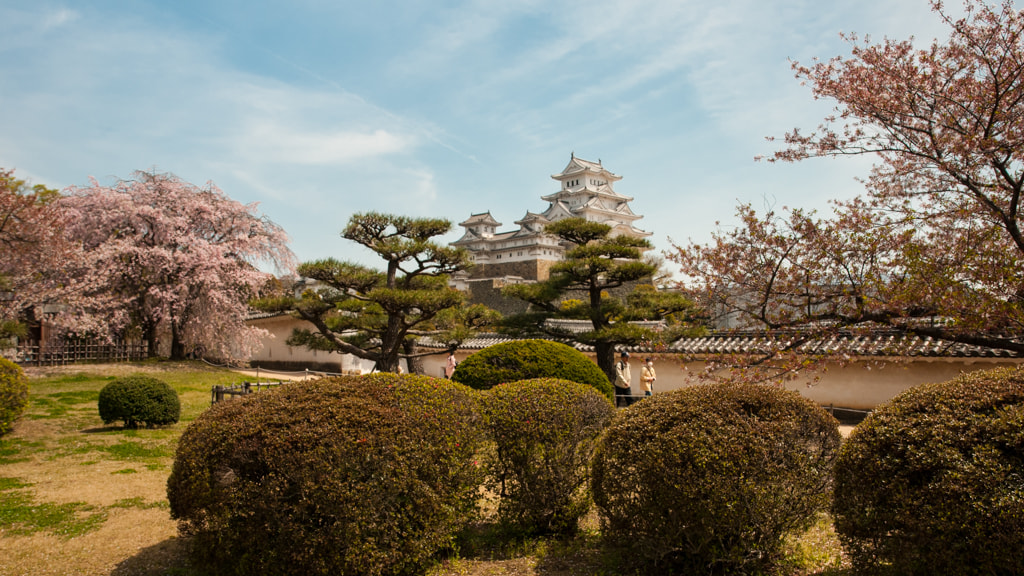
(319, 109)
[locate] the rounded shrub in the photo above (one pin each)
(13, 394)
(933, 481)
(544, 431)
(528, 359)
(710, 479)
(356, 475)
(139, 400)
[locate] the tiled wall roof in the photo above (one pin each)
(888, 343)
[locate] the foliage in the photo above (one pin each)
(33, 249)
(711, 478)
(595, 264)
(544, 432)
(350, 475)
(159, 251)
(934, 248)
(13, 394)
(526, 360)
(374, 315)
(931, 482)
(139, 400)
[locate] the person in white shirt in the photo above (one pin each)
(648, 376)
(449, 368)
(622, 381)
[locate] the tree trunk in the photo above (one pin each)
(605, 352)
(149, 333)
(415, 364)
(177, 346)
(390, 345)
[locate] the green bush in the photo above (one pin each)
(710, 479)
(13, 394)
(353, 475)
(139, 400)
(528, 359)
(933, 482)
(544, 432)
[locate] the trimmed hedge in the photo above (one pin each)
(139, 400)
(13, 394)
(933, 482)
(528, 359)
(353, 475)
(710, 479)
(544, 432)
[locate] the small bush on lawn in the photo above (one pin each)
(528, 359)
(710, 479)
(13, 394)
(544, 432)
(139, 400)
(353, 475)
(933, 482)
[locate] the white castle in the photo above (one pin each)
(585, 191)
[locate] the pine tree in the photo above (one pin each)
(379, 315)
(579, 288)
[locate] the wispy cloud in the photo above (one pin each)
(272, 142)
(175, 101)
(58, 17)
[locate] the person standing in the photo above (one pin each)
(449, 367)
(622, 381)
(648, 376)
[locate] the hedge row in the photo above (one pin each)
(710, 479)
(933, 482)
(350, 475)
(13, 394)
(376, 475)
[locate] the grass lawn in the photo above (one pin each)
(78, 497)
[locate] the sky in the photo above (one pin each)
(318, 109)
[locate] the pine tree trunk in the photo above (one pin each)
(605, 353)
(415, 364)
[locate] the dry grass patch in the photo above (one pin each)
(88, 499)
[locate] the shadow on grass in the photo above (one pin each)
(576, 555)
(585, 554)
(168, 558)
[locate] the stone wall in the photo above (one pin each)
(527, 269)
(488, 293)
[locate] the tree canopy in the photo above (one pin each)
(579, 289)
(379, 315)
(33, 249)
(159, 252)
(934, 247)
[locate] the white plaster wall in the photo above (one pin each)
(275, 350)
(858, 385)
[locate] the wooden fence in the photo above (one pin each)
(56, 352)
(221, 393)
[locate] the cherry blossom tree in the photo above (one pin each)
(33, 250)
(379, 315)
(161, 255)
(935, 246)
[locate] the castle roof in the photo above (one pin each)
(579, 166)
(483, 218)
